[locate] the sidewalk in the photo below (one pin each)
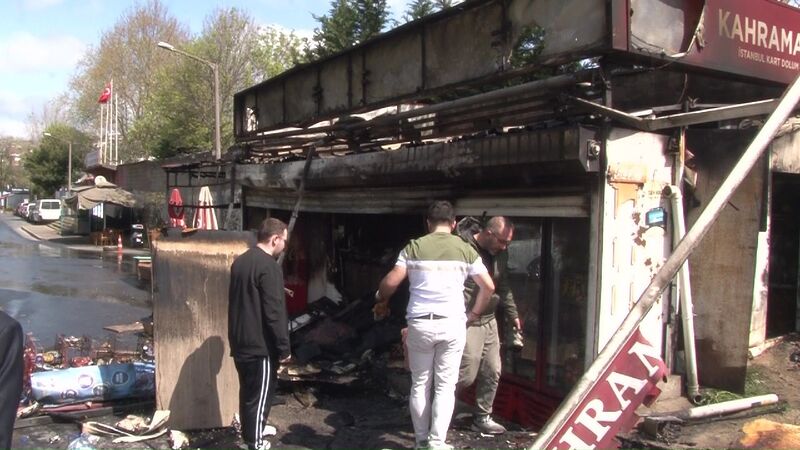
(50, 234)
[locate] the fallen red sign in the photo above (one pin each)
(629, 381)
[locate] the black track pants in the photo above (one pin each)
(257, 381)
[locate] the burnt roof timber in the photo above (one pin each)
(517, 155)
(513, 106)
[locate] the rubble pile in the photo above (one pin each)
(339, 343)
(78, 373)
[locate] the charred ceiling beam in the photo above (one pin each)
(518, 158)
(491, 111)
(563, 203)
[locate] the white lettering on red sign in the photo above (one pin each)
(596, 418)
(641, 350)
(748, 30)
(620, 383)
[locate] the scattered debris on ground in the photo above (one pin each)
(82, 373)
(771, 371)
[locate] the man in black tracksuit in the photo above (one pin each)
(11, 367)
(258, 328)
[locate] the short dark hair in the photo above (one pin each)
(441, 211)
(497, 223)
(270, 227)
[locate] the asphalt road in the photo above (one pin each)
(52, 289)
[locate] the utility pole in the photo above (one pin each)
(69, 168)
(215, 71)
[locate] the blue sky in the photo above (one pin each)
(41, 41)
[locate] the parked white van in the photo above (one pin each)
(47, 210)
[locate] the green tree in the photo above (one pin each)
(418, 9)
(179, 116)
(127, 54)
(11, 170)
(337, 30)
(528, 50)
(529, 47)
(46, 166)
(349, 22)
(373, 16)
(277, 52)
(442, 4)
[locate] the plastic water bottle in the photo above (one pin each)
(83, 442)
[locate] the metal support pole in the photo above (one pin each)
(69, 169)
(217, 141)
(312, 150)
(671, 266)
(686, 303)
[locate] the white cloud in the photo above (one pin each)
(24, 52)
(299, 32)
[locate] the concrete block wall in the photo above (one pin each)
(144, 176)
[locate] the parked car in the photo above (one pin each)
(30, 211)
(22, 208)
(46, 210)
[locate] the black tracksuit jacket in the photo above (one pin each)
(11, 367)
(257, 319)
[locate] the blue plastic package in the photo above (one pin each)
(108, 382)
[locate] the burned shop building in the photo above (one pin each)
(600, 127)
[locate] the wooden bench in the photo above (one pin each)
(144, 267)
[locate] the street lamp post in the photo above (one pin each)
(215, 70)
(69, 162)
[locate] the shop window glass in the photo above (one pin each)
(548, 265)
(565, 311)
(524, 260)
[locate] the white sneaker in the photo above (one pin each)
(486, 425)
(269, 430)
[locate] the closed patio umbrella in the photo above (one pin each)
(175, 209)
(204, 216)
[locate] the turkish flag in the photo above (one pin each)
(105, 95)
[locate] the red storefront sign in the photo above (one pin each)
(754, 38)
(629, 381)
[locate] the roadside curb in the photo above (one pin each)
(34, 235)
(26, 232)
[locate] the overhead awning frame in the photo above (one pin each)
(91, 196)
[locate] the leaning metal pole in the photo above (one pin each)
(312, 151)
(671, 266)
